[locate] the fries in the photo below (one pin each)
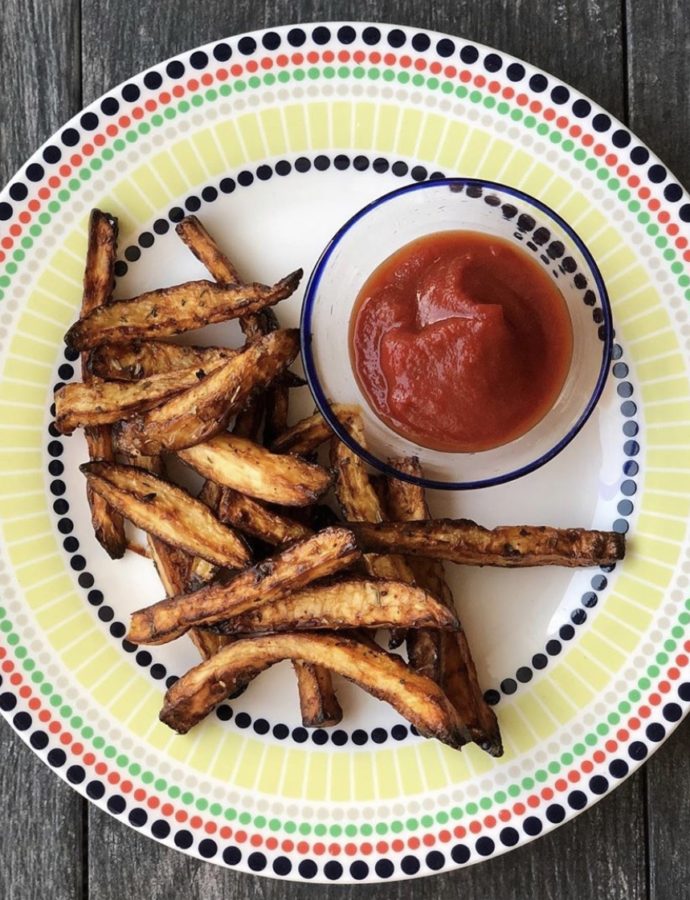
(167, 512)
(443, 656)
(173, 310)
(142, 359)
(308, 434)
(103, 402)
(318, 703)
(202, 245)
(511, 546)
(241, 464)
(108, 525)
(346, 604)
(204, 410)
(317, 557)
(418, 699)
(360, 503)
(253, 518)
(319, 599)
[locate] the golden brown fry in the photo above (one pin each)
(99, 271)
(360, 503)
(172, 564)
(350, 603)
(173, 310)
(253, 518)
(463, 541)
(247, 467)
(105, 402)
(406, 502)
(443, 656)
(308, 434)
(141, 359)
(108, 525)
(356, 496)
(386, 676)
(209, 254)
(167, 511)
(203, 411)
(318, 703)
(320, 556)
(202, 245)
(202, 571)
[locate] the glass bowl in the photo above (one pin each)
(392, 221)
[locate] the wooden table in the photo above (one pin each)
(633, 57)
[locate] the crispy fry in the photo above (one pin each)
(253, 518)
(141, 359)
(308, 434)
(104, 402)
(172, 565)
(443, 656)
(463, 541)
(406, 502)
(203, 411)
(108, 525)
(351, 603)
(173, 310)
(360, 503)
(386, 676)
(241, 464)
(209, 254)
(356, 496)
(318, 703)
(320, 556)
(202, 245)
(167, 511)
(201, 570)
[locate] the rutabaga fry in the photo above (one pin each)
(359, 502)
(205, 410)
(141, 359)
(167, 511)
(463, 541)
(173, 310)
(308, 434)
(350, 603)
(318, 703)
(443, 656)
(108, 525)
(248, 467)
(252, 517)
(105, 402)
(319, 556)
(384, 675)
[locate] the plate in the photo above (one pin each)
(274, 139)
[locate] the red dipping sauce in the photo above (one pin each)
(460, 341)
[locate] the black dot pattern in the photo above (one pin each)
(35, 172)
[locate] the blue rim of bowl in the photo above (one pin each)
(324, 405)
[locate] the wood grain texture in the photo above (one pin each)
(602, 853)
(658, 62)
(41, 844)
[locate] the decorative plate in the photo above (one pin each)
(275, 138)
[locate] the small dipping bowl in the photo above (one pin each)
(455, 204)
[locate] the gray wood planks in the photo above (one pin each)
(41, 843)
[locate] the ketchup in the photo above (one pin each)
(460, 341)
